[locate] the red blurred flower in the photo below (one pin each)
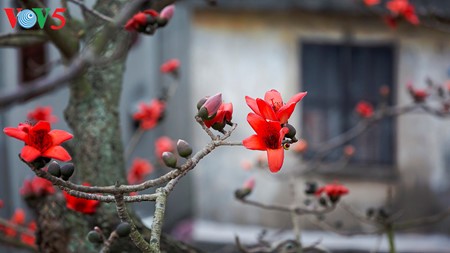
(37, 187)
(333, 191)
(163, 144)
(349, 150)
(18, 218)
(140, 20)
(150, 114)
(86, 206)
(170, 66)
(269, 136)
(167, 12)
(246, 164)
(1, 203)
(249, 184)
(223, 116)
(272, 107)
(42, 113)
(27, 238)
(364, 109)
(419, 95)
(139, 170)
(371, 2)
(403, 8)
(40, 140)
(300, 146)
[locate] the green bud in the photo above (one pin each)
(242, 193)
(161, 21)
(183, 148)
(218, 126)
(292, 131)
(123, 229)
(94, 237)
(54, 169)
(203, 113)
(169, 159)
(200, 103)
(67, 170)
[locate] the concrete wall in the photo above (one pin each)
(248, 53)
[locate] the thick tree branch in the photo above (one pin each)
(23, 38)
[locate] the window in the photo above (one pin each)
(337, 77)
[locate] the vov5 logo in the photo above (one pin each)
(28, 18)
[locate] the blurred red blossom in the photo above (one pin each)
(419, 95)
(1, 203)
(18, 218)
(333, 191)
(403, 8)
(349, 150)
(168, 12)
(140, 20)
(163, 144)
(37, 187)
(364, 109)
(170, 66)
(42, 113)
(269, 136)
(272, 106)
(27, 238)
(139, 170)
(40, 141)
(150, 114)
(246, 164)
(371, 2)
(223, 116)
(249, 184)
(300, 146)
(86, 206)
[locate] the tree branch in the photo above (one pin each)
(92, 11)
(23, 38)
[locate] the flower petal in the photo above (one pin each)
(254, 142)
(275, 158)
(58, 153)
(273, 97)
(29, 153)
(15, 133)
(252, 104)
(263, 127)
(285, 112)
(42, 125)
(266, 111)
(59, 136)
(297, 97)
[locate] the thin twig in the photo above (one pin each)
(158, 219)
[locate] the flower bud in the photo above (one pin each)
(323, 201)
(219, 126)
(67, 171)
(210, 107)
(161, 21)
(167, 12)
(311, 188)
(249, 184)
(201, 102)
(54, 169)
(370, 212)
(94, 237)
(169, 159)
(183, 148)
(334, 198)
(242, 193)
(123, 229)
(292, 131)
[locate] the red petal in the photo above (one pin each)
(42, 125)
(275, 158)
(29, 153)
(252, 104)
(254, 142)
(58, 153)
(15, 133)
(59, 136)
(297, 97)
(285, 112)
(266, 111)
(273, 97)
(283, 132)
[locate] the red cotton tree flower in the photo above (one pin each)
(403, 8)
(333, 191)
(139, 170)
(18, 218)
(150, 114)
(37, 187)
(269, 136)
(42, 113)
(170, 66)
(40, 141)
(223, 116)
(163, 144)
(371, 2)
(85, 206)
(364, 109)
(273, 107)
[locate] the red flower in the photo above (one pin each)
(419, 95)
(163, 144)
(349, 150)
(139, 170)
(37, 187)
(269, 136)
(333, 191)
(170, 66)
(150, 114)
(168, 11)
(272, 107)
(42, 113)
(364, 109)
(86, 206)
(371, 2)
(40, 141)
(18, 218)
(223, 115)
(403, 8)
(29, 239)
(140, 20)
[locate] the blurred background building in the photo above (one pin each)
(337, 50)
